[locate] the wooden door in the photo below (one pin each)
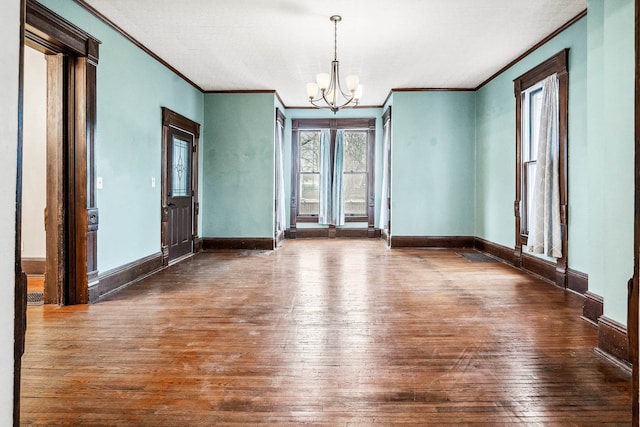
(180, 150)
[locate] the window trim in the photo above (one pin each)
(557, 64)
(297, 125)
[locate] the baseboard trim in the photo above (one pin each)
(121, 277)
(577, 281)
(34, 266)
(325, 233)
(612, 339)
(499, 251)
(222, 243)
(457, 242)
(593, 307)
(540, 267)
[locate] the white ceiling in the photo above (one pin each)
(282, 44)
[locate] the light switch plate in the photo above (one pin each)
(99, 183)
(153, 182)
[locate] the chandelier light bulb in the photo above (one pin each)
(312, 90)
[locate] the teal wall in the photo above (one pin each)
(495, 139)
(611, 151)
(308, 113)
(433, 163)
(238, 165)
(131, 89)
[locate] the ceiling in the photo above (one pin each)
(227, 45)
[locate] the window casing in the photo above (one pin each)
(531, 110)
(526, 99)
(358, 174)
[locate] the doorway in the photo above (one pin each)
(179, 226)
(71, 218)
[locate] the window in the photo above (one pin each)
(309, 173)
(531, 110)
(536, 91)
(332, 168)
(355, 173)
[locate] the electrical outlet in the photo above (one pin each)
(153, 182)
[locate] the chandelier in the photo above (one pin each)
(331, 91)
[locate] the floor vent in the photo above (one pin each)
(35, 298)
(477, 257)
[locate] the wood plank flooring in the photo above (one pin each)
(327, 333)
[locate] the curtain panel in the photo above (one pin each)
(545, 234)
(324, 202)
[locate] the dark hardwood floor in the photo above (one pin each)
(323, 332)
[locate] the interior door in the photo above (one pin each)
(180, 193)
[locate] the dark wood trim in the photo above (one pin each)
(172, 119)
(33, 266)
(74, 112)
(133, 40)
(432, 89)
(333, 124)
(612, 339)
(240, 91)
(499, 251)
(540, 267)
(593, 307)
(334, 232)
(224, 243)
(20, 279)
(197, 244)
(307, 107)
(634, 299)
(577, 281)
(432, 242)
(120, 277)
(534, 47)
(45, 29)
(279, 174)
(557, 64)
(386, 155)
(368, 124)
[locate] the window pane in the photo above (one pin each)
(180, 168)
(355, 151)
(309, 194)
(531, 179)
(535, 110)
(310, 151)
(355, 193)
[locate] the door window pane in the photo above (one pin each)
(180, 168)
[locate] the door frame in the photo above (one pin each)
(47, 32)
(172, 119)
(634, 300)
(51, 34)
(279, 139)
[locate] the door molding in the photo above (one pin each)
(172, 119)
(47, 32)
(50, 33)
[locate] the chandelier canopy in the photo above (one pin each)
(330, 89)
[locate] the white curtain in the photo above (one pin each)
(337, 203)
(384, 195)
(545, 235)
(324, 202)
(281, 218)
